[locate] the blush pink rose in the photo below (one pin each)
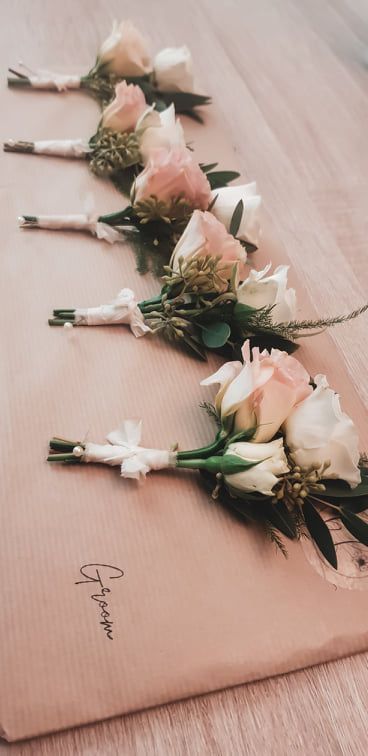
(260, 393)
(126, 108)
(173, 173)
(205, 235)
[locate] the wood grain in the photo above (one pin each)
(290, 85)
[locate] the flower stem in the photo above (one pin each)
(19, 80)
(60, 321)
(204, 451)
(67, 457)
(12, 146)
(191, 464)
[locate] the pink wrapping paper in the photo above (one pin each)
(203, 602)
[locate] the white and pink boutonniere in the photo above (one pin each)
(128, 132)
(124, 56)
(209, 299)
(285, 456)
(163, 196)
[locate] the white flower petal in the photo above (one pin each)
(226, 202)
(317, 431)
(262, 477)
(173, 69)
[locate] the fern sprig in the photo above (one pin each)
(211, 411)
(293, 329)
(274, 536)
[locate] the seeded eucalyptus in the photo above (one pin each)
(113, 151)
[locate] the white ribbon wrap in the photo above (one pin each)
(70, 148)
(123, 449)
(49, 80)
(80, 222)
(122, 310)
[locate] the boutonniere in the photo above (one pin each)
(285, 456)
(163, 197)
(208, 301)
(124, 56)
(128, 132)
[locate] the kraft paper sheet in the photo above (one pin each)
(203, 602)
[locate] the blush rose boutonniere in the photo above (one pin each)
(208, 301)
(163, 195)
(125, 56)
(284, 454)
(128, 133)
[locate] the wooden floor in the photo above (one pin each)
(289, 79)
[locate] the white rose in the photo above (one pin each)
(317, 431)
(262, 477)
(260, 290)
(125, 51)
(158, 130)
(226, 202)
(173, 69)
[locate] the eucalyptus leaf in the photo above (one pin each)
(215, 335)
(320, 533)
(236, 218)
(355, 525)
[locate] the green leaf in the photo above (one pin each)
(229, 464)
(123, 180)
(270, 340)
(208, 167)
(339, 488)
(242, 313)
(244, 435)
(215, 335)
(280, 517)
(320, 533)
(249, 247)
(217, 179)
(354, 505)
(184, 101)
(236, 218)
(194, 346)
(210, 206)
(355, 525)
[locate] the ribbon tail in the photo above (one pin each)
(107, 233)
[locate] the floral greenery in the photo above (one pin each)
(199, 307)
(295, 509)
